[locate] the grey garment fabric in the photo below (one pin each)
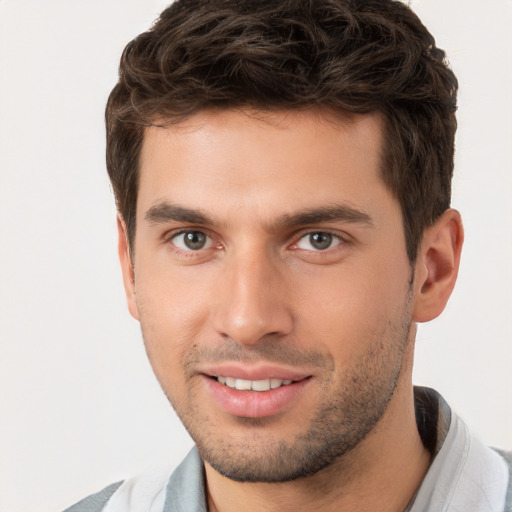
(186, 487)
(508, 459)
(95, 502)
(433, 417)
(464, 475)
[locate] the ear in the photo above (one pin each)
(437, 266)
(127, 267)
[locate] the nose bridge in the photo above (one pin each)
(251, 302)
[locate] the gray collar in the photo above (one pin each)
(464, 475)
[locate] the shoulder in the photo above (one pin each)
(143, 493)
(156, 491)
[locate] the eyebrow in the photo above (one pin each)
(333, 213)
(166, 212)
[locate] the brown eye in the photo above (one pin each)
(192, 240)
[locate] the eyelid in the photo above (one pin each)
(342, 238)
(171, 235)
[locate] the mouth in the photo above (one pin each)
(252, 385)
(256, 397)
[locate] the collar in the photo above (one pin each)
(465, 475)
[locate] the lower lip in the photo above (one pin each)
(255, 404)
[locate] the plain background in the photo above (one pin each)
(79, 406)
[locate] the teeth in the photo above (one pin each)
(277, 383)
(253, 385)
(243, 385)
(260, 385)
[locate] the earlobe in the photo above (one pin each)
(437, 266)
(127, 267)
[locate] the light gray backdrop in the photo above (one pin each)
(79, 406)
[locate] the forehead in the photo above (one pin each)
(263, 160)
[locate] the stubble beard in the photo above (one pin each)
(350, 410)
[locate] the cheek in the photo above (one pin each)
(170, 296)
(346, 309)
(173, 313)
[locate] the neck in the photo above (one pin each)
(381, 473)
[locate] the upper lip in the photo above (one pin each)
(253, 372)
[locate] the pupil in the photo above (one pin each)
(195, 240)
(320, 240)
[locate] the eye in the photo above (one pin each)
(318, 241)
(192, 241)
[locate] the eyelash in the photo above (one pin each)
(170, 237)
(330, 254)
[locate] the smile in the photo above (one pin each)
(253, 385)
(257, 397)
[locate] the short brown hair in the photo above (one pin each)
(350, 55)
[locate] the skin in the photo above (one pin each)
(261, 296)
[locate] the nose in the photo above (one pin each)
(251, 302)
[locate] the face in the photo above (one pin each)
(272, 285)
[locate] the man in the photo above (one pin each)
(282, 173)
